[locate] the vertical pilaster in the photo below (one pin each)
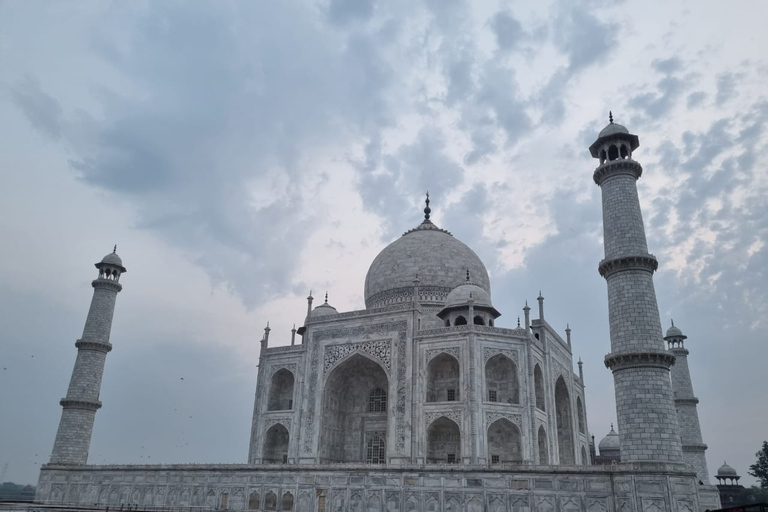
(73, 438)
(644, 404)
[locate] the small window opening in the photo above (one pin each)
(451, 395)
(290, 404)
(451, 458)
(460, 320)
(494, 459)
(285, 459)
(537, 335)
(492, 395)
(447, 322)
(613, 153)
(478, 320)
(624, 152)
(490, 322)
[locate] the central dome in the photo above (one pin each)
(439, 260)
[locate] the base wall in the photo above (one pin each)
(357, 488)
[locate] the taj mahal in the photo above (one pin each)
(419, 402)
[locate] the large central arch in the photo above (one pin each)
(354, 412)
(505, 444)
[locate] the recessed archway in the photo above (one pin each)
(276, 443)
(443, 379)
(505, 445)
(580, 414)
(564, 423)
(443, 442)
(542, 441)
(347, 413)
(501, 380)
(538, 387)
(281, 391)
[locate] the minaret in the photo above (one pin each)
(685, 403)
(73, 438)
(644, 404)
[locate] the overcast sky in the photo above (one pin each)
(243, 153)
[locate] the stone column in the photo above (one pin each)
(685, 403)
(73, 439)
(644, 404)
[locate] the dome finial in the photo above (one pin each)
(673, 322)
(427, 210)
(115, 249)
(610, 117)
(467, 274)
(518, 321)
(326, 297)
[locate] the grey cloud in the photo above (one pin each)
(581, 36)
(345, 11)
(224, 106)
(42, 110)
(508, 31)
(655, 104)
(696, 99)
(726, 88)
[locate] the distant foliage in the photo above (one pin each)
(759, 469)
(755, 494)
(14, 492)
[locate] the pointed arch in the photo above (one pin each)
(270, 501)
(505, 445)
(580, 415)
(543, 446)
(538, 387)
(443, 379)
(564, 423)
(478, 320)
(460, 320)
(501, 381)
(613, 152)
(276, 443)
(254, 500)
(287, 502)
(443, 441)
(347, 418)
(281, 391)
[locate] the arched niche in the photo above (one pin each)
(443, 379)
(478, 320)
(276, 443)
(460, 320)
(254, 500)
(584, 459)
(287, 502)
(541, 438)
(443, 442)
(564, 423)
(347, 416)
(580, 415)
(613, 152)
(505, 444)
(501, 381)
(270, 501)
(538, 387)
(281, 391)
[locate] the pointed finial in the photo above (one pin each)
(294, 327)
(673, 323)
(610, 117)
(467, 274)
(611, 425)
(580, 360)
(427, 210)
(115, 249)
(518, 321)
(326, 297)
(567, 326)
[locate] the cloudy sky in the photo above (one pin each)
(243, 153)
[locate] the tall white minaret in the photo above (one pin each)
(73, 438)
(640, 364)
(685, 403)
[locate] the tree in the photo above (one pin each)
(759, 469)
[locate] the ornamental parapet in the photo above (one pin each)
(647, 262)
(107, 283)
(616, 168)
(88, 405)
(686, 401)
(98, 346)
(624, 360)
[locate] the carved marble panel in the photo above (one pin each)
(451, 415)
(489, 352)
(491, 416)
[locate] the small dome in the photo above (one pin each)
(674, 331)
(324, 309)
(612, 129)
(610, 442)
(727, 471)
(112, 259)
(460, 295)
